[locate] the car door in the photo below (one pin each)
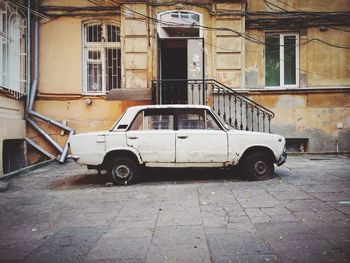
(152, 135)
(199, 138)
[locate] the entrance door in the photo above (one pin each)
(181, 60)
(173, 67)
(195, 69)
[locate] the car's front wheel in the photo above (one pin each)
(123, 171)
(258, 166)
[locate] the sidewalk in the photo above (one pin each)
(64, 213)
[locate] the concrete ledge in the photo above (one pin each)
(25, 169)
(129, 94)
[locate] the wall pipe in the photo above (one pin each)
(29, 54)
(32, 143)
(44, 133)
(31, 97)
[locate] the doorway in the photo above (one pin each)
(173, 59)
(180, 61)
(173, 67)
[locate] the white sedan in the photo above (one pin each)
(176, 136)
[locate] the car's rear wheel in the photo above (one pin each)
(258, 166)
(123, 171)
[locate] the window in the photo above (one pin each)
(178, 24)
(102, 70)
(153, 120)
(281, 60)
(12, 48)
(190, 119)
(210, 122)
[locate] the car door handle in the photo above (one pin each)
(182, 137)
(132, 137)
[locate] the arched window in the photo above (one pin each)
(101, 57)
(180, 24)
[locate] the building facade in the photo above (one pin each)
(98, 57)
(12, 87)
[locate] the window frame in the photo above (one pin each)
(281, 61)
(152, 112)
(206, 112)
(13, 48)
(101, 47)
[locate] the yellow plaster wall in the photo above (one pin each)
(228, 54)
(60, 57)
(136, 46)
(328, 66)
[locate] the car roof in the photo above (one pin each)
(132, 111)
(168, 106)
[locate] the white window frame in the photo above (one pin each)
(12, 48)
(101, 47)
(281, 38)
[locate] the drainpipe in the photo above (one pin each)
(31, 97)
(28, 51)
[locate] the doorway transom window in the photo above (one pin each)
(179, 24)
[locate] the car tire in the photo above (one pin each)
(258, 166)
(123, 171)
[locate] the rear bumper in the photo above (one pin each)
(282, 159)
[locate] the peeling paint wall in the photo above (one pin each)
(322, 118)
(318, 109)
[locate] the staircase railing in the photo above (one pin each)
(236, 109)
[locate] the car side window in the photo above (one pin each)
(153, 119)
(210, 122)
(190, 119)
(138, 122)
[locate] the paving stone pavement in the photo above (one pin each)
(65, 213)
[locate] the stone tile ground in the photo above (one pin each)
(64, 213)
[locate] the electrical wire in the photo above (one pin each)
(245, 35)
(23, 7)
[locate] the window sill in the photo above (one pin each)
(129, 94)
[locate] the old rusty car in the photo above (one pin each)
(176, 136)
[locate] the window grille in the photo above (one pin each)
(297, 144)
(12, 48)
(102, 70)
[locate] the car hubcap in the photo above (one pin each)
(121, 172)
(260, 168)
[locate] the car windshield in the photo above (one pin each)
(221, 120)
(115, 124)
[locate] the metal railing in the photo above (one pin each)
(236, 109)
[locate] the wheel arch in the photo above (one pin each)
(121, 153)
(260, 148)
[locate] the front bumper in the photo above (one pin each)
(282, 159)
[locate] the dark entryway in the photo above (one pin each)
(173, 65)
(13, 155)
(174, 59)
